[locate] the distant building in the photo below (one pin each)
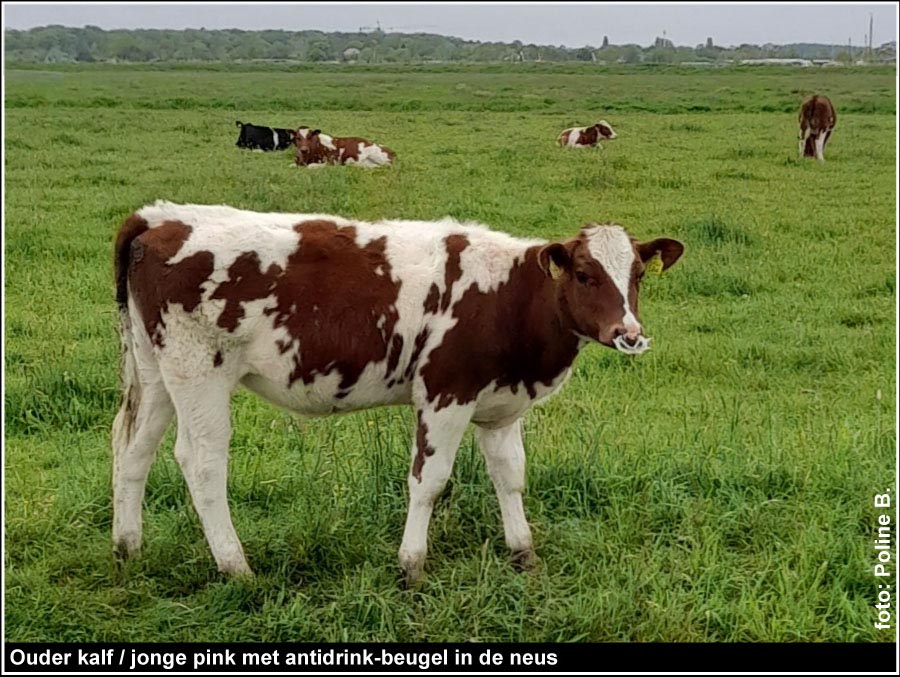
(804, 63)
(886, 53)
(56, 55)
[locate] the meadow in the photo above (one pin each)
(718, 488)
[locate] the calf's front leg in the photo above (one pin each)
(437, 438)
(504, 455)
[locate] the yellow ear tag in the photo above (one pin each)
(555, 270)
(655, 265)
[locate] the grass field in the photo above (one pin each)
(718, 488)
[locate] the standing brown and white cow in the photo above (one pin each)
(321, 314)
(312, 148)
(817, 119)
(583, 137)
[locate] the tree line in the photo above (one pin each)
(62, 44)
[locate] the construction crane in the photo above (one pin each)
(375, 29)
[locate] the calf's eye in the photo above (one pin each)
(582, 278)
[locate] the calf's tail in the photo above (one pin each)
(124, 424)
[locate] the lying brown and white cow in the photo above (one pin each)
(583, 137)
(817, 119)
(320, 314)
(312, 148)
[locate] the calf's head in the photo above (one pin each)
(307, 143)
(597, 277)
(605, 130)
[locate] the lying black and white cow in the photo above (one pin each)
(255, 137)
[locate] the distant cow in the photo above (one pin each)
(582, 137)
(321, 315)
(255, 137)
(817, 119)
(312, 148)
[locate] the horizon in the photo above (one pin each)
(612, 43)
(543, 24)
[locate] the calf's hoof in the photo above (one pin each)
(240, 575)
(125, 549)
(413, 570)
(236, 569)
(525, 560)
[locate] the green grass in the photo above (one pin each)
(718, 488)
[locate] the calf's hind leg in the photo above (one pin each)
(504, 455)
(138, 429)
(201, 449)
(820, 145)
(143, 418)
(438, 434)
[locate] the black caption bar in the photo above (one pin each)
(161, 658)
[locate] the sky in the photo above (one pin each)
(569, 24)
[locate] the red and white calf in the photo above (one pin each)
(582, 137)
(817, 119)
(312, 148)
(321, 314)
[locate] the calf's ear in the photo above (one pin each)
(669, 251)
(315, 132)
(554, 259)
